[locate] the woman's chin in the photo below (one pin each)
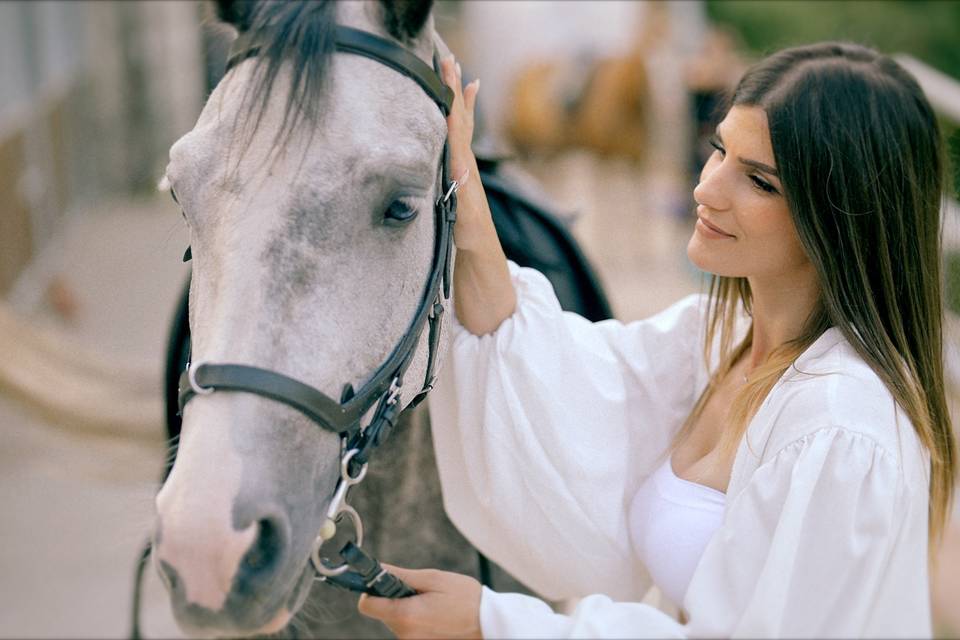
(709, 262)
(700, 257)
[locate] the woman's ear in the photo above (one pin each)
(238, 13)
(404, 19)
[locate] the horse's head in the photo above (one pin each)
(308, 186)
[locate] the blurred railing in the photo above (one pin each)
(91, 96)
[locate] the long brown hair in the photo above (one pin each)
(859, 154)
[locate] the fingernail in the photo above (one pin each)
(459, 73)
(477, 82)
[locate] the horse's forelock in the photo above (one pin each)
(405, 19)
(300, 35)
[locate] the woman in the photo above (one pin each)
(776, 456)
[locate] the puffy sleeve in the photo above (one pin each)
(544, 430)
(826, 540)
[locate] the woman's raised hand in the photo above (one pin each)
(460, 120)
(483, 292)
(473, 213)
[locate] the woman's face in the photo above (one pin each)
(744, 228)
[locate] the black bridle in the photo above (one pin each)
(382, 392)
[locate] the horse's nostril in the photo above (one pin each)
(266, 548)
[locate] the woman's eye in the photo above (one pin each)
(763, 185)
(400, 212)
(715, 143)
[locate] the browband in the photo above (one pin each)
(368, 45)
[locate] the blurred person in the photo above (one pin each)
(775, 455)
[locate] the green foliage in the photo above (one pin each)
(926, 29)
(951, 261)
(951, 276)
(953, 151)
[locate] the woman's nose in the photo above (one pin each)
(711, 191)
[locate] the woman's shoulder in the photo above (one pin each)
(830, 389)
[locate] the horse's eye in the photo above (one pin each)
(400, 212)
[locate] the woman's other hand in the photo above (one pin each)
(447, 605)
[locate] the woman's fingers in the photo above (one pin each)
(448, 69)
(420, 579)
(460, 119)
(447, 605)
(379, 608)
(470, 95)
(453, 76)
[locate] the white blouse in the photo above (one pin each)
(671, 521)
(546, 429)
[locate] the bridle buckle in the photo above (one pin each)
(393, 393)
(194, 385)
(455, 186)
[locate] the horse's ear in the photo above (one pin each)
(239, 13)
(404, 19)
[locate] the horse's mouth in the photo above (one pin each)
(300, 592)
(240, 617)
(288, 609)
(278, 624)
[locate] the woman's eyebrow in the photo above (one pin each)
(759, 165)
(747, 161)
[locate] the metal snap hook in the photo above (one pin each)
(345, 470)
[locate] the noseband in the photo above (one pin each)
(382, 393)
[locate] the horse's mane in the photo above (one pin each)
(301, 34)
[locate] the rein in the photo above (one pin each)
(382, 392)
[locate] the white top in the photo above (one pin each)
(671, 522)
(546, 429)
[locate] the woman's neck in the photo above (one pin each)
(781, 308)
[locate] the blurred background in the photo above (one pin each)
(600, 107)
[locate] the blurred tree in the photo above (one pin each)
(926, 29)
(952, 257)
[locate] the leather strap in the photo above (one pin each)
(236, 377)
(396, 57)
(362, 43)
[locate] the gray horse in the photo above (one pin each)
(291, 183)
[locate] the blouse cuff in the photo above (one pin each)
(535, 297)
(514, 615)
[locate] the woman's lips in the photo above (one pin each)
(710, 230)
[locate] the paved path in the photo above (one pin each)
(78, 506)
